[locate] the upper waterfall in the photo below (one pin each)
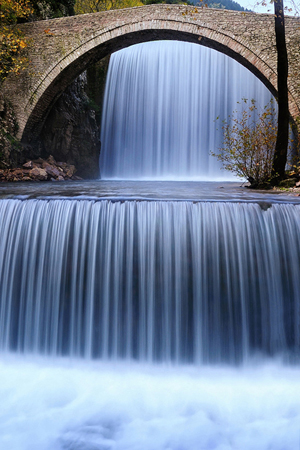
(160, 108)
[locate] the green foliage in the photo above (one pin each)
(90, 6)
(249, 143)
(50, 9)
(222, 4)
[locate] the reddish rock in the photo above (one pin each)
(38, 174)
(52, 170)
(40, 170)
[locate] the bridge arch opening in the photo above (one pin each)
(57, 80)
(161, 104)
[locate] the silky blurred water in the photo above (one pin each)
(152, 316)
(161, 104)
(170, 281)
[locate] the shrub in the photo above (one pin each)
(249, 143)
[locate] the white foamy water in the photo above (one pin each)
(60, 405)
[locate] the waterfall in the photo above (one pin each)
(160, 108)
(182, 282)
(133, 315)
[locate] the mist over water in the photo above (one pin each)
(160, 108)
(67, 405)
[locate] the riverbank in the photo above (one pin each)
(40, 170)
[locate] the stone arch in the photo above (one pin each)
(65, 47)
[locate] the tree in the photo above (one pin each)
(249, 142)
(12, 42)
(280, 155)
(90, 6)
(50, 9)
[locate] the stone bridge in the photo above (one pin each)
(62, 48)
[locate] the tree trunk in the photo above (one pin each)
(280, 155)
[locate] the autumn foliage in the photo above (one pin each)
(249, 143)
(12, 42)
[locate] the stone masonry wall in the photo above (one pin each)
(62, 48)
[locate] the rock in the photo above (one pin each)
(40, 170)
(70, 170)
(38, 174)
(28, 165)
(52, 171)
(71, 131)
(51, 160)
(298, 184)
(61, 165)
(20, 172)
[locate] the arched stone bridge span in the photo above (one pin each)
(62, 48)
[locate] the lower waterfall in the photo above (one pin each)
(129, 324)
(177, 281)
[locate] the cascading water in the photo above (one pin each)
(160, 108)
(151, 318)
(152, 281)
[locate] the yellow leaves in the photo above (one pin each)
(11, 10)
(12, 42)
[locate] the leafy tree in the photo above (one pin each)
(50, 9)
(12, 42)
(222, 4)
(90, 6)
